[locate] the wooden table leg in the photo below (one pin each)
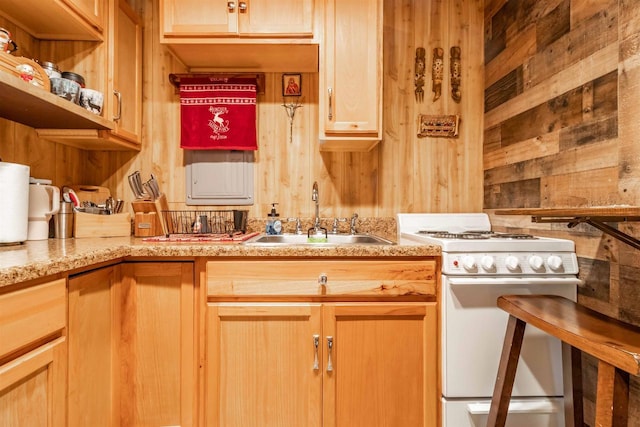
(612, 398)
(572, 381)
(506, 372)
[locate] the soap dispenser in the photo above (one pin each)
(274, 225)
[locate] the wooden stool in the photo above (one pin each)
(615, 344)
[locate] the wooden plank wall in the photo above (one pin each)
(561, 128)
(403, 173)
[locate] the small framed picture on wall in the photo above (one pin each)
(291, 84)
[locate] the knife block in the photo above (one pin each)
(147, 221)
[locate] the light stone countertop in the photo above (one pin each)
(36, 259)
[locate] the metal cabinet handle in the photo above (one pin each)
(330, 347)
(231, 5)
(316, 344)
(118, 115)
(330, 90)
(243, 7)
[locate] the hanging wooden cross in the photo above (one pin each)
(291, 108)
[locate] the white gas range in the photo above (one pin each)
(478, 266)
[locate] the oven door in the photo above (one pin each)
(473, 330)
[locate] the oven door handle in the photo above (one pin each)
(519, 281)
(532, 407)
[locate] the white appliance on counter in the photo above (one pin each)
(479, 265)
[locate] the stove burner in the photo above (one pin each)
(464, 236)
(513, 236)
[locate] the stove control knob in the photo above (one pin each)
(488, 262)
(469, 263)
(554, 262)
(536, 262)
(512, 263)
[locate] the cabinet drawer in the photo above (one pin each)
(30, 314)
(305, 277)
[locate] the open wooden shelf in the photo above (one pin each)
(33, 106)
(595, 216)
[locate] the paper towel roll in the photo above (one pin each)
(14, 209)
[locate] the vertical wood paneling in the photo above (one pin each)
(403, 173)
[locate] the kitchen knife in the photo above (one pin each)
(133, 186)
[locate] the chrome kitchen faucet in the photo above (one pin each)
(316, 198)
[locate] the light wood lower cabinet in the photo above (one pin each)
(260, 365)
(93, 340)
(33, 356)
(158, 364)
(307, 358)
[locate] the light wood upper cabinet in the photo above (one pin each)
(121, 86)
(222, 18)
(91, 10)
(33, 356)
(250, 35)
(126, 41)
(351, 76)
(58, 19)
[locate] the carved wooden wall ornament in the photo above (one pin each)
(456, 72)
(420, 67)
(437, 70)
(438, 126)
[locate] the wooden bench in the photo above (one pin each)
(615, 344)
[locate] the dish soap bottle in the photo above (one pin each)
(274, 225)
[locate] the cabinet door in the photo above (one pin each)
(195, 18)
(292, 18)
(91, 10)
(383, 363)
(260, 365)
(158, 362)
(351, 69)
(93, 341)
(33, 388)
(126, 42)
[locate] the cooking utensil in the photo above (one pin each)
(68, 195)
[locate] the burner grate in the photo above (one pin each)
(514, 236)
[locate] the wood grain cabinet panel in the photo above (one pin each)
(158, 362)
(93, 341)
(351, 76)
(364, 278)
(383, 362)
(126, 93)
(33, 355)
(29, 315)
(247, 35)
(282, 349)
(91, 10)
(221, 18)
(260, 365)
(33, 388)
(58, 19)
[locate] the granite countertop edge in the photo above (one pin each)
(37, 259)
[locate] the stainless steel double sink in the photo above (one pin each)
(304, 240)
